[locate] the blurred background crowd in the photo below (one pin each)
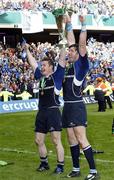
(95, 7)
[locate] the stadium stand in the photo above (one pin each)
(15, 72)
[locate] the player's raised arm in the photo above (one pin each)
(82, 36)
(69, 31)
(30, 58)
(62, 61)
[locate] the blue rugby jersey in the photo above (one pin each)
(50, 87)
(74, 77)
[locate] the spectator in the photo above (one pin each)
(90, 89)
(100, 90)
(6, 95)
(108, 93)
(24, 95)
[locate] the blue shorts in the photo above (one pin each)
(48, 120)
(74, 114)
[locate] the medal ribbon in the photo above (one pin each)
(67, 68)
(43, 83)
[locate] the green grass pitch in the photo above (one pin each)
(17, 146)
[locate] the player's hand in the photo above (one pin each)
(67, 18)
(82, 18)
(25, 46)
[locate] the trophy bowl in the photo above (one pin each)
(59, 12)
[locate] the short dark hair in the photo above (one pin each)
(49, 60)
(75, 46)
(51, 54)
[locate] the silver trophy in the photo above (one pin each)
(59, 16)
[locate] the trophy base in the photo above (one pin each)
(62, 43)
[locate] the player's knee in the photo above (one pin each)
(83, 141)
(72, 140)
(56, 141)
(39, 141)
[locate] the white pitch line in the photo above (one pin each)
(50, 154)
(16, 150)
(99, 160)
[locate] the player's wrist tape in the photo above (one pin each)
(83, 28)
(68, 27)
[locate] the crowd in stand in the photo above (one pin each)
(100, 56)
(95, 7)
(17, 76)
